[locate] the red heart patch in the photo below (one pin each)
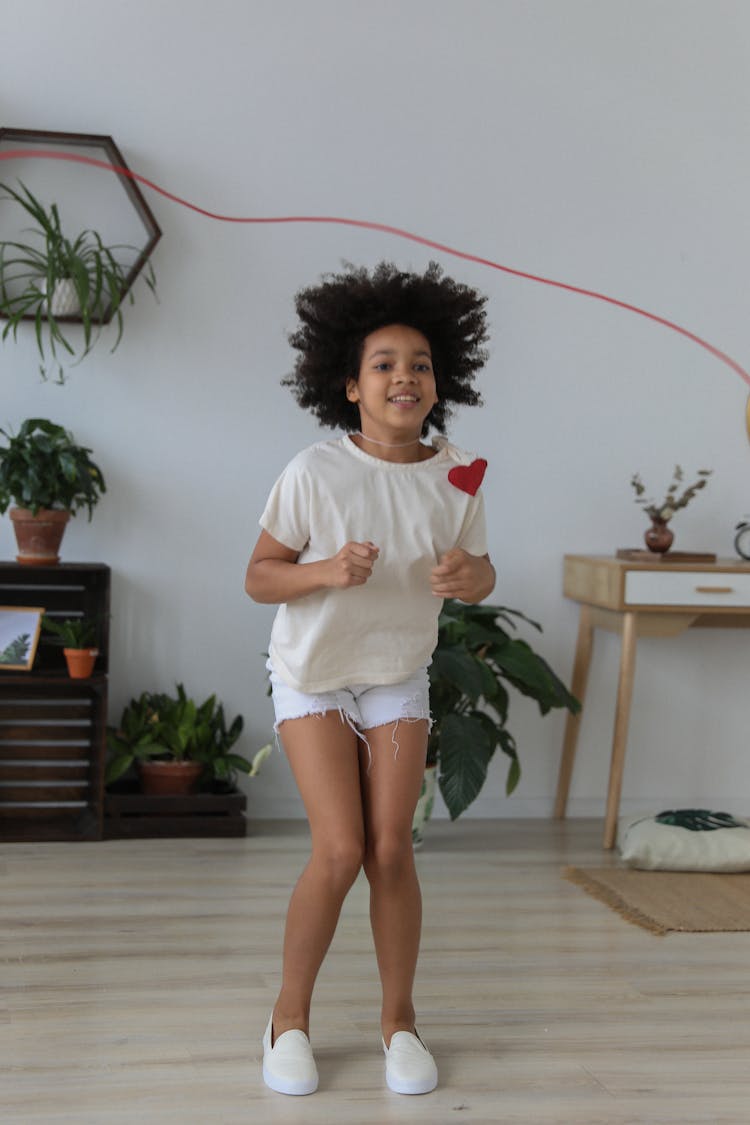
(468, 477)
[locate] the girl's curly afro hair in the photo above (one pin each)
(336, 316)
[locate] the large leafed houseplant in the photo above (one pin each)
(157, 727)
(475, 666)
(48, 476)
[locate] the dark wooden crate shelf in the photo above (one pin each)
(52, 727)
(51, 757)
(79, 825)
(67, 590)
(130, 814)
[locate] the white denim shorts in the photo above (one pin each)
(362, 706)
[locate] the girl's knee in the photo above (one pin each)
(341, 861)
(387, 856)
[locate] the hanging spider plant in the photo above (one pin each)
(31, 276)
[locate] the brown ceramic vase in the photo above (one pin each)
(659, 537)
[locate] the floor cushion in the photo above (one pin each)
(686, 840)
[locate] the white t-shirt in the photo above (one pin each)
(383, 631)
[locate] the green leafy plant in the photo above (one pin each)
(74, 632)
(30, 274)
(175, 727)
(43, 467)
(672, 502)
(17, 652)
(475, 663)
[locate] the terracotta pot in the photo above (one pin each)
(80, 661)
(169, 778)
(39, 537)
(659, 537)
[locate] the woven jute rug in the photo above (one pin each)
(667, 901)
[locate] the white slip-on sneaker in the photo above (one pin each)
(409, 1066)
(288, 1065)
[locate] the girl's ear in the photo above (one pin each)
(351, 390)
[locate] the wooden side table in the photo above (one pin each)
(635, 599)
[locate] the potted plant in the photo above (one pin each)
(659, 537)
(56, 277)
(177, 744)
(475, 662)
(49, 478)
(78, 636)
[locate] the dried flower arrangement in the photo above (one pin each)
(671, 502)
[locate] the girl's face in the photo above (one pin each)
(395, 388)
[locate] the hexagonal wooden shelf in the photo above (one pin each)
(125, 216)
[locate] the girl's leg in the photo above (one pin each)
(323, 755)
(389, 796)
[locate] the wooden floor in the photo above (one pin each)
(137, 977)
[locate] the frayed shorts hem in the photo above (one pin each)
(361, 706)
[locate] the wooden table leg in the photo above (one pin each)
(581, 666)
(622, 716)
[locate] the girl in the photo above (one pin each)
(362, 537)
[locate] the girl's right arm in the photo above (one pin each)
(274, 575)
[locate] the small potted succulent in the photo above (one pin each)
(48, 477)
(476, 661)
(177, 744)
(78, 636)
(659, 537)
(54, 279)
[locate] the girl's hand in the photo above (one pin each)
(352, 566)
(470, 578)
(274, 576)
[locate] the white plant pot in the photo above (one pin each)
(64, 300)
(423, 810)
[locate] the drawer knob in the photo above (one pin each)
(714, 589)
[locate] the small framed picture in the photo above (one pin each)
(20, 627)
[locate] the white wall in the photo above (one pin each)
(596, 142)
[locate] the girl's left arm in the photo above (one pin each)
(470, 578)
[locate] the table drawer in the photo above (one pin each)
(704, 588)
